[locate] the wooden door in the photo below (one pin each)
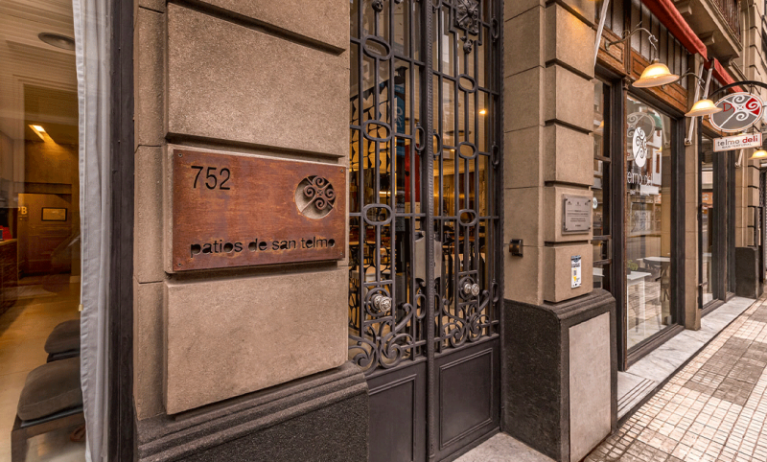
(45, 226)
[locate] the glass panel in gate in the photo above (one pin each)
(386, 231)
(465, 160)
(388, 207)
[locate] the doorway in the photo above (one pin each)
(424, 298)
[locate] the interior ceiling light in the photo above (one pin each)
(703, 107)
(57, 40)
(760, 154)
(38, 130)
(655, 75)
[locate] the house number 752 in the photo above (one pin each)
(211, 180)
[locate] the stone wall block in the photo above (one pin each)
(523, 39)
(586, 10)
(522, 107)
(563, 98)
(752, 193)
(557, 266)
(147, 348)
(522, 161)
(522, 215)
(568, 40)
(553, 204)
(229, 337)
(567, 156)
(691, 244)
(229, 82)
(315, 21)
(514, 9)
(156, 5)
(692, 313)
(522, 275)
(149, 70)
(148, 216)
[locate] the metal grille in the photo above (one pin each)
(422, 207)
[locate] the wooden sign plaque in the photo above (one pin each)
(236, 210)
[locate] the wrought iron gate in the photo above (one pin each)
(424, 301)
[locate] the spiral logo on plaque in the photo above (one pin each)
(315, 197)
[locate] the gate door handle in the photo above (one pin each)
(470, 289)
(381, 303)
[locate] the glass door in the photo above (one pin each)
(707, 221)
(648, 233)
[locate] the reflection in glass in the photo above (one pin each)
(600, 189)
(648, 231)
(40, 264)
(707, 218)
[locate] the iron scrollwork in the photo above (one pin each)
(467, 18)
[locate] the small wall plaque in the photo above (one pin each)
(576, 211)
(237, 210)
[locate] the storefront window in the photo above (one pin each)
(649, 222)
(707, 220)
(600, 188)
(40, 235)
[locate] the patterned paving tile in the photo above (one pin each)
(714, 409)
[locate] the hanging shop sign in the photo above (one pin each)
(729, 143)
(576, 212)
(236, 210)
(739, 111)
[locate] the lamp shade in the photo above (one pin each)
(654, 75)
(703, 107)
(760, 154)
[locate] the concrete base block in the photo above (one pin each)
(561, 395)
(322, 418)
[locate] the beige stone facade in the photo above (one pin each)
(267, 79)
(272, 79)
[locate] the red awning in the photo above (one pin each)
(667, 13)
(721, 74)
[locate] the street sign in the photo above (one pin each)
(729, 143)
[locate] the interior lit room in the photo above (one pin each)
(40, 399)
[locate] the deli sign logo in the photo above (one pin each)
(729, 143)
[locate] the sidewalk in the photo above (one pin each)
(712, 410)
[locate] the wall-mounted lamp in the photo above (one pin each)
(657, 73)
(760, 154)
(702, 108)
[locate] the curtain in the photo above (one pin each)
(93, 36)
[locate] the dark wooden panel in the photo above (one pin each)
(398, 415)
(235, 210)
(468, 395)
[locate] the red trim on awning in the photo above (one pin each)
(721, 74)
(674, 22)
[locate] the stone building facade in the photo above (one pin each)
(289, 361)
